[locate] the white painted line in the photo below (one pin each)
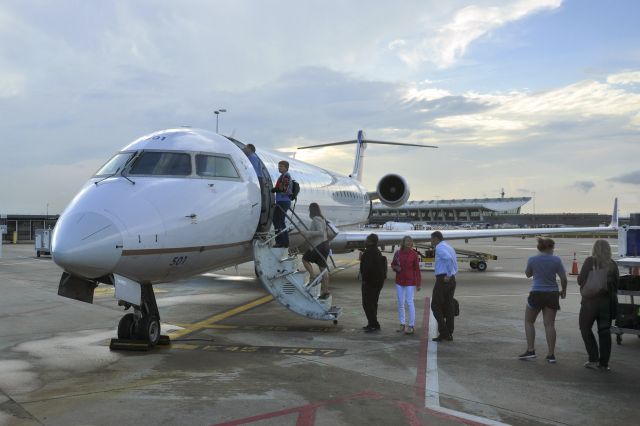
(465, 416)
(432, 386)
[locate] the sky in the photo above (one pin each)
(540, 98)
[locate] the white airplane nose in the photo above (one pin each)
(86, 244)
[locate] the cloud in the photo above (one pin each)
(452, 40)
(632, 77)
(583, 185)
(523, 114)
(632, 178)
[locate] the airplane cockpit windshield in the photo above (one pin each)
(116, 164)
(171, 163)
(215, 166)
(162, 163)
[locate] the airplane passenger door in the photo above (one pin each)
(267, 200)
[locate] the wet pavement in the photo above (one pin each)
(239, 358)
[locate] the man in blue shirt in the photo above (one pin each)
(250, 151)
(446, 269)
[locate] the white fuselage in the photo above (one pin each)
(154, 227)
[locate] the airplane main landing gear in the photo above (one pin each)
(140, 330)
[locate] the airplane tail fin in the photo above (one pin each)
(614, 215)
(361, 145)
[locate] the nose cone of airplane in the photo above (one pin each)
(86, 244)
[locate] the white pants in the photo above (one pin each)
(406, 293)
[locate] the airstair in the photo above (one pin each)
(278, 272)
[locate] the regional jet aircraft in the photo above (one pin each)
(181, 202)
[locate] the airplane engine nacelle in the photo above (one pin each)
(393, 190)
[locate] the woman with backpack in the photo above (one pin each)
(406, 263)
(373, 270)
(601, 307)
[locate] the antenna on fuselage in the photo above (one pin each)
(361, 146)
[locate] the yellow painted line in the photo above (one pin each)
(223, 327)
(109, 291)
(183, 346)
(219, 317)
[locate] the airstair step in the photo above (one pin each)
(279, 275)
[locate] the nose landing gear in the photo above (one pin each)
(140, 330)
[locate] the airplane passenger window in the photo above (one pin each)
(213, 166)
(116, 164)
(162, 163)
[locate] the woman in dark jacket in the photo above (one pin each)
(373, 270)
(601, 308)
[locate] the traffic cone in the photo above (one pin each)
(574, 267)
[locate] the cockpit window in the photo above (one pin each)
(215, 166)
(162, 163)
(116, 164)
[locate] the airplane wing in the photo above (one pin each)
(348, 240)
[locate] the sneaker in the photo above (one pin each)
(551, 359)
(372, 329)
(591, 365)
(324, 296)
(604, 368)
(527, 355)
(401, 329)
(409, 330)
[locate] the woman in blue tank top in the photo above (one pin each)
(544, 296)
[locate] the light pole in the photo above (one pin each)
(217, 113)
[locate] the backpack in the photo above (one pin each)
(295, 189)
(385, 266)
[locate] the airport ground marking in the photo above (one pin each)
(427, 384)
(200, 325)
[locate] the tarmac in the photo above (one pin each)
(237, 357)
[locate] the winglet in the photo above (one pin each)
(614, 215)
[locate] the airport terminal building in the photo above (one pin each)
(449, 211)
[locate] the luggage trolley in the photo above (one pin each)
(628, 318)
(477, 260)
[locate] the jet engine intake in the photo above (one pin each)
(393, 190)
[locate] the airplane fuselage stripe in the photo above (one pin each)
(134, 252)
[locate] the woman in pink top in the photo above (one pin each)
(406, 263)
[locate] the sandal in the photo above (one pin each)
(401, 329)
(409, 330)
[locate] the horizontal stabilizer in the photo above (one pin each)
(361, 145)
(365, 141)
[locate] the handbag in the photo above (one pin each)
(596, 283)
(395, 264)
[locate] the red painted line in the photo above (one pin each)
(421, 377)
(409, 412)
(302, 410)
(307, 417)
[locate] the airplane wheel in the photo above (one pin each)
(38, 253)
(335, 322)
(125, 326)
(473, 264)
(149, 329)
(482, 266)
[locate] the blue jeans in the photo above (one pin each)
(278, 222)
